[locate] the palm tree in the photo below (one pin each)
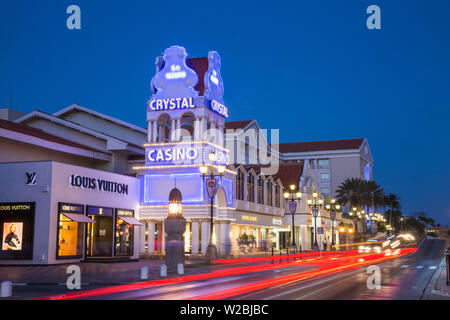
(393, 202)
(350, 192)
(372, 195)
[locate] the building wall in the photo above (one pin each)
(107, 127)
(18, 152)
(343, 168)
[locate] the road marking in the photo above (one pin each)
(432, 267)
(419, 267)
(309, 286)
(405, 266)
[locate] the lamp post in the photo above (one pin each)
(291, 199)
(315, 203)
(333, 208)
(209, 176)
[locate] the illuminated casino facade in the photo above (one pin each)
(102, 185)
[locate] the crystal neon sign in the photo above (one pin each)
(171, 104)
(219, 108)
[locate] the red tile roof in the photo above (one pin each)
(288, 173)
(17, 127)
(237, 124)
(200, 66)
(320, 145)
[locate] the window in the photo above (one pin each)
(70, 230)
(124, 233)
(16, 230)
(324, 177)
(323, 164)
(277, 196)
(269, 193)
(250, 187)
(240, 185)
(260, 190)
(312, 164)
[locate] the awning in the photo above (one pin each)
(131, 221)
(78, 217)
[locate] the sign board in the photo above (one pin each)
(211, 186)
(320, 230)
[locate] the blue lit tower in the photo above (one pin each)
(186, 119)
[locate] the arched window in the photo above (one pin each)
(269, 193)
(250, 187)
(277, 195)
(240, 185)
(260, 190)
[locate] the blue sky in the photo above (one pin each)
(310, 68)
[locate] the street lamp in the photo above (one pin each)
(333, 208)
(291, 199)
(315, 203)
(209, 176)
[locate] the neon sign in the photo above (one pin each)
(219, 108)
(171, 104)
(172, 154)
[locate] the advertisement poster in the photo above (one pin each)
(12, 236)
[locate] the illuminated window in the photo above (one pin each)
(70, 237)
(124, 238)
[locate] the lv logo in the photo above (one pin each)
(31, 178)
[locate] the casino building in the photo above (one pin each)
(83, 185)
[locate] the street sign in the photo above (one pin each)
(320, 230)
(333, 215)
(211, 186)
(293, 206)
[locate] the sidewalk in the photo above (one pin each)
(438, 288)
(93, 273)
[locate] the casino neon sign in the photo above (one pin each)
(183, 155)
(172, 104)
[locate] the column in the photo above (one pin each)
(217, 237)
(194, 226)
(202, 129)
(196, 129)
(155, 132)
(142, 239)
(151, 237)
(205, 236)
(225, 238)
(163, 239)
(178, 128)
(149, 131)
(172, 130)
(187, 239)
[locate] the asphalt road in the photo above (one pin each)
(404, 278)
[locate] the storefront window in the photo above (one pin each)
(99, 237)
(124, 232)
(16, 230)
(277, 196)
(70, 230)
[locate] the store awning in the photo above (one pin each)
(131, 221)
(78, 217)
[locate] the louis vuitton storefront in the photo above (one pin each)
(66, 214)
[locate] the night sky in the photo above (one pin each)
(311, 69)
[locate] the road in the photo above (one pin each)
(404, 278)
(333, 276)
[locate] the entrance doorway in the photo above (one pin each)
(100, 235)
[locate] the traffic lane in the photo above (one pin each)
(401, 278)
(191, 289)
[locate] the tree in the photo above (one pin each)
(393, 214)
(350, 192)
